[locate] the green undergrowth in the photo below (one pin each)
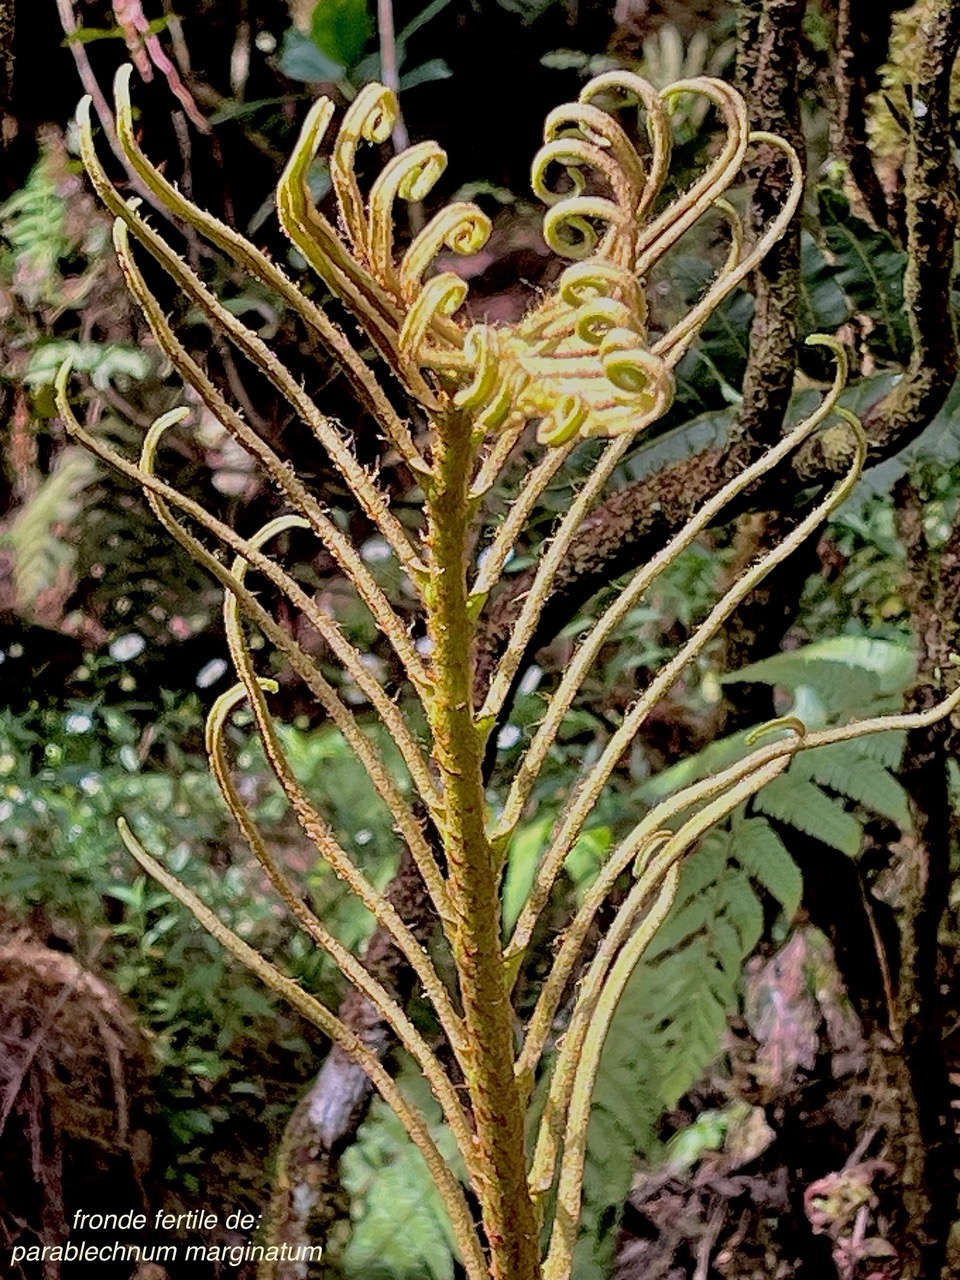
(229, 1060)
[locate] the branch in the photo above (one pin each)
(389, 69)
(8, 31)
(932, 210)
(768, 56)
(862, 46)
(91, 87)
(925, 1141)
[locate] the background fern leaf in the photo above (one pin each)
(800, 803)
(671, 1020)
(764, 857)
(36, 535)
(844, 768)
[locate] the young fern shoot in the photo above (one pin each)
(581, 364)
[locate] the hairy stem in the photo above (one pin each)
(472, 873)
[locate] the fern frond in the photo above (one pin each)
(848, 673)
(801, 804)
(672, 1016)
(41, 553)
(33, 223)
(581, 364)
(850, 771)
(760, 852)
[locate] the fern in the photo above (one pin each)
(859, 772)
(823, 304)
(578, 366)
(526, 849)
(107, 363)
(868, 267)
(33, 223)
(762, 855)
(800, 803)
(671, 1020)
(716, 923)
(845, 674)
(41, 554)
(673, 1014)
(622, 1124)
(832, 678)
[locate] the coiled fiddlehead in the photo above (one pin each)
(582, 362)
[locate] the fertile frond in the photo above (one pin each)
(585, 361)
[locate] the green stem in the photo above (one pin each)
(506, 1206)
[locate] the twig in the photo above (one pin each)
(91, 86)
(8, 121)
(709, 1239)
(862, 44)
(389, 71)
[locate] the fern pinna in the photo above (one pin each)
(462, 401)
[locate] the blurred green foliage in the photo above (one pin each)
(335, 49)
(66, 775)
